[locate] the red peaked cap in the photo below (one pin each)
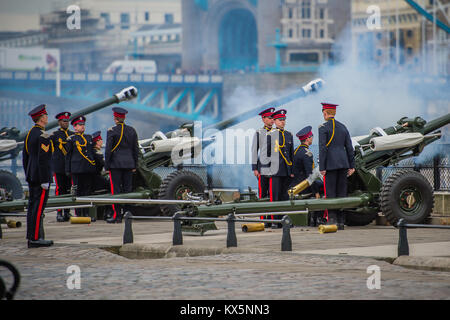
(329, 105)
(63, 115)
(80, 119)
(267, 113)
(119, 112)
(38, 111)
(280, 114)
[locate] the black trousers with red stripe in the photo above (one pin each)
(35, 215)
(263, 186)
(63, 184)
(121, 181)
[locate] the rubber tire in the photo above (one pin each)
(390, 192)
(358, 219)
(172, 182)
(10, 182)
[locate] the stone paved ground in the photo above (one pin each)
(253, 275)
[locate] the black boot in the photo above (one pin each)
(59, 217)
(340, 221)
(39, 243)
(67, 216)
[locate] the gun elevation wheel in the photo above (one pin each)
(10, 183)
(408, 195)
(175, 186)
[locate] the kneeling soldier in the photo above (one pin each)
(304, 165)
(121, 157)
(37, 152)
(80, 162)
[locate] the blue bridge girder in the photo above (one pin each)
(180, 97)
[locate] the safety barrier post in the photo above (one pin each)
(231, 235)
(177, 238)
(403, 247)
(128, 232)
(286, 242)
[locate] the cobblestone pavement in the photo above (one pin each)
(271, 275)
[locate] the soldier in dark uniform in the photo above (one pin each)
(121, 157)
(283, 148)
(80, 162)
(62, 181)
(100, 182)
(37, 152)
(260, 146)
(336, 159)
(303, 167)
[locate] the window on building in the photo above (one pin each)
(106, 17)
(322, 13)
(305, 57)
(291, 33)
(322, 33)
(125, 20)
(409, 51)
(379, 35)
(290, 13)
(306, 9)
(306, 33)
(409, 33)
(168, 18)
(379, 52)
(147, 16)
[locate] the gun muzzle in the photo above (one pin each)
(127, 94)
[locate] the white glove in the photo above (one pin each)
(313, 85)
(45, 186)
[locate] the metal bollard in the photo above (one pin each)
(177, 238)
(128, 232)
(231, 235)
(286, 242)
(403, 247)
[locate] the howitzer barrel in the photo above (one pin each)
(312, 86)
(295, 205)
(125, 94)
(436, 124)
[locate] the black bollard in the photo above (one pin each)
(128, 232)
(231, 235)
(286, 242)
(403, 247)
(177, 238)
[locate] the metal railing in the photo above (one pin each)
(177, 239)
(403, 246)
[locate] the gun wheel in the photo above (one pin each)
(175, 186)
(408, 195)
(10, 183)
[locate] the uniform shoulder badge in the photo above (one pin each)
(45, 147)
(45, 135)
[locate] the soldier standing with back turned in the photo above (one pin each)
(37, 152)
(121, 158)
(336, 160)
(62, 181)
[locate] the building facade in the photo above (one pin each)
(404, 39)
(257, 35)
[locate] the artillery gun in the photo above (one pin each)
(405, 194)
(11, 139)
(154, 195)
